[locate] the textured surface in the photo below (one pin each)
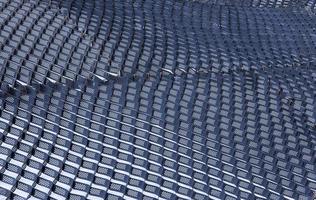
(158, 99)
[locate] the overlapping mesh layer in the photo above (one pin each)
(310, 4)
(157, 99)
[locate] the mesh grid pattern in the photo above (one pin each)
(157, 99)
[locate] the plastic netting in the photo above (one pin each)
(159, 99)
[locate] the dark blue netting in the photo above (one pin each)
(157, 99)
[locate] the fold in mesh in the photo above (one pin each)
(157, 99)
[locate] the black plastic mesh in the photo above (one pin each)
(158, 99)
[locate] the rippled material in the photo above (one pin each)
(157, 99)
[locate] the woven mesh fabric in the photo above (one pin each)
(159, 99)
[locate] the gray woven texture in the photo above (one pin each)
(158, 99)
